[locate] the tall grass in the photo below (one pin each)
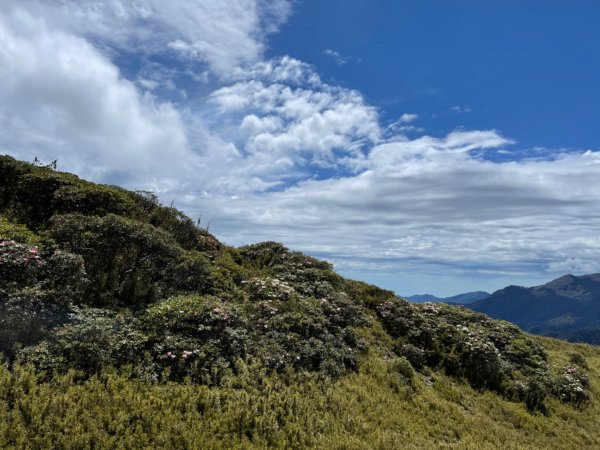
(376, 408)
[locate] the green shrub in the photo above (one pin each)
(129, 263)
(178, 225)
(33, 201)
(12, 231)
(94, 341)
(366, 294)
(402, 366)
(26, 319)
(414, 354)
(11, 171)
(571, 385)
(197, 337)
(534, 394)
(578, 359)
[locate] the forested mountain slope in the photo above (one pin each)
(566, 308)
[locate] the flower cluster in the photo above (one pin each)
(185, 354)
(16, 253)
(20, 264)
(572, 385)
(268, 289)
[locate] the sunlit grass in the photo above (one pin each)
(375, 408)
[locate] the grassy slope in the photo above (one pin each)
(376, 406)
(369, 409)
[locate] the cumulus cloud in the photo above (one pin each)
(63, 98)
(301, 119)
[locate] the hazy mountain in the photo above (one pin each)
(422, 298)
(568, 307)
(461, 299)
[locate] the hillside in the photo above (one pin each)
(460, 299)
(566, 308)
(125, 325)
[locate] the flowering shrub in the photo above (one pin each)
(20, 264)
(36, 289)
(308, 276)
(95, 340)
(268, 289)
(306, 333)
(57, 276)
(487, 352)
(572, 385)
(197, 337)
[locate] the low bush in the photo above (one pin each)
(93, 341)
(130, 263)
(571, 385)
(489, 354)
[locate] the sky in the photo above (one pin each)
(426, 146)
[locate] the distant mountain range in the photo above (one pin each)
(566, 308)
(460, 299)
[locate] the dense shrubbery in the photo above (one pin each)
(178, 225)
(92, 341)
(20, 265)
(198, 337)
(33, 195)
(36, 289)
(94, 278)
(129, 263)
(490, 354)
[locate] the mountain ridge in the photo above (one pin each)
(567, 307)
(462, 299)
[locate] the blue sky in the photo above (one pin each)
(425, 146)
(528, 68)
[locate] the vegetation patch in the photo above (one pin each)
(109, 298)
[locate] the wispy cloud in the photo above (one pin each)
(460, 109)
(339, 59)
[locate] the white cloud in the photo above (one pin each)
(460, 109)
(408, 118)
(574, 265)
(286, 70)
(63, 98)
(303, 119)
(435, 205)
(224, 33)
(339, 59)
